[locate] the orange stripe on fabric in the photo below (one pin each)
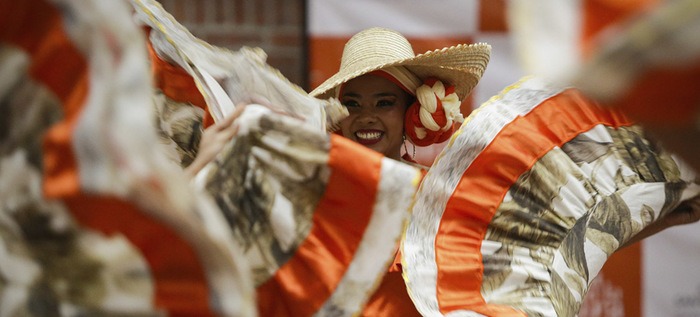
(307, 280)
(180, 284)
(177, 84)
(484, 184)
(60, 67)
(36, 26)
(390, 299)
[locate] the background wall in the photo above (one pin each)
(276, 26)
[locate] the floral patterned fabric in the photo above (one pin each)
(541, 186)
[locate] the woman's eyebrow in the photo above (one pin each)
(352, 94)
(385, 94)
(380, 94)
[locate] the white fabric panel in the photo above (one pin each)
(670, 277)
(410, 17)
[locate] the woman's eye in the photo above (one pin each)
(350, 104)
(385, 103)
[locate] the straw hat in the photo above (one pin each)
(377, 48)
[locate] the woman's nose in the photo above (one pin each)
(367, 114)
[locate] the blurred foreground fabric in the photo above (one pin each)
(641, 57)
(95, 218)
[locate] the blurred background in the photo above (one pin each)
(304, 40)
(276, 26)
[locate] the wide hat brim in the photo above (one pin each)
(461, 65)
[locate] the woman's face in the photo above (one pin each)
(377, 108)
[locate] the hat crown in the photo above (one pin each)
(375, 46)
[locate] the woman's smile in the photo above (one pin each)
(368, 137)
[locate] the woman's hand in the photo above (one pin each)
(214, 138)
(686, 213)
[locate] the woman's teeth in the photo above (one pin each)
(368, 135)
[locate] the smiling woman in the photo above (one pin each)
(377, 108)
(393, 94)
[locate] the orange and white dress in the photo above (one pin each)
(516, 216)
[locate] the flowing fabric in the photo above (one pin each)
(226, 78)
(516, 217)
(94, 219)
(319, 218)
(529, 199)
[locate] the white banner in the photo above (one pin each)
(426, 18)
